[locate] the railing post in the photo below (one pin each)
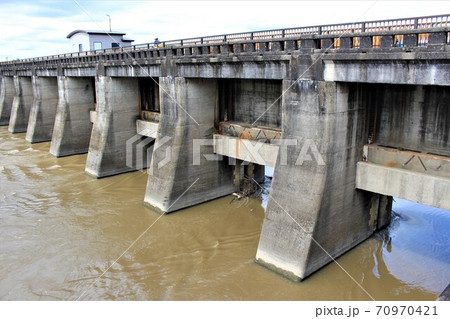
(416, 23)
(201, 40)
(251, 36)
(363, 27)
(282, 33)
(320, 30)
(181, 42)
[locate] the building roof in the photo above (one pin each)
(94, 32)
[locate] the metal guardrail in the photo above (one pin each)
(418, 23)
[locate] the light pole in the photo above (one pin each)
(109, 22)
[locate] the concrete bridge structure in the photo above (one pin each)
(348, 115)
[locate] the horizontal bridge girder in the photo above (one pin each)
(247, 150)
(147, 128)
(410, 185)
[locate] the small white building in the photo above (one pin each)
(83, 40)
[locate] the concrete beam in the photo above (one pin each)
(314, 213)
(43, 109)
(147, 128)
(418, 187)
(114, 137)
(21, 106)
(72, 129)
(247, 150)
(93, 116)
(187, 115)
(6, 99)
(409, 160)
(429, 72)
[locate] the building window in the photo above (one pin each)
(115, 45)
(80, 47)
(97, 45)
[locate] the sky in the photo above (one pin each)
(33, 28)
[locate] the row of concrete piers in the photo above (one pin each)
(338, 146)
(103, 117)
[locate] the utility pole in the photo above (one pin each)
(109, 22)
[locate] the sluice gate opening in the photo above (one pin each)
(248, 122)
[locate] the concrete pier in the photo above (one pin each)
(115, 124)
(43, 109)
(72, 129)
(20, 110)
(175, 181)
(6, 99)
(314, 212)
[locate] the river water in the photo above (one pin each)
(60, 230)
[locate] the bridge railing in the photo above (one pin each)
(356, 29)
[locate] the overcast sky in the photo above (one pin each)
(32, 28)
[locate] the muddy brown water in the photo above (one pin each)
(60, 230)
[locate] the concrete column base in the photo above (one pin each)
(115, 145)
(43, 109)
(72, 129)
(6, 99)
(314, 213)
(20, 110)
(177, 178)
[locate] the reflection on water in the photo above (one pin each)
(419, 235)
(60, 230)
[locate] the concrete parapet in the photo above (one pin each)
(20, 110)
(176, 180)
(314, 212)
(6, 99)
(114, 132)
(72, 129)
(43, 109)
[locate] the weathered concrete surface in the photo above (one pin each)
(410, 160)
(6, 99)
(93, 116)
(20, 110)
(397, 68)
(146, 128)
(314, 212)
(72, 129)
(250, 132)
(257, 102)
(247, 150)
(114, 131)
(423, 188)
(187, 114)
(413, 117)
(43, 109)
